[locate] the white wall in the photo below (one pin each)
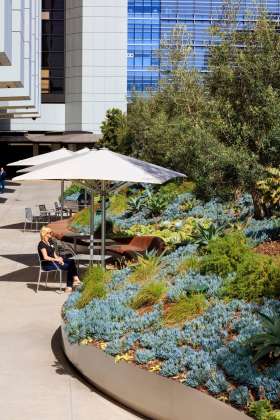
(5, 32)
(13, 75)
(52, 119)
(96, 61)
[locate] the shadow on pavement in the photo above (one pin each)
(3, 200)
(50, 288)
(24, 275)
(29, 275)
(18, 226)
(31, 260)
(9, 190)
(64, 367)
(12, 183)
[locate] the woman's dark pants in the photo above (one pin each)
(69, 266)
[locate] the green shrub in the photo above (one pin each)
(118, 204)
(256, 276)
(224, 254)
(74, 188)
(149, 294)
(148, 267)
(260, 409)
(186, 308)
(176, 187)
(94, 286)
(273, 415)
(82, 218)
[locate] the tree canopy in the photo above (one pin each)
(221, 129)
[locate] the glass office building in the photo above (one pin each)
(152, 20)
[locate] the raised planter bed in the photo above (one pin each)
(147, 393)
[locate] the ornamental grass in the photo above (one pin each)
(148, 267)
(94, 286)
(185, 309)
(149, 294)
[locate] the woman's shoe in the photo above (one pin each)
(77, 283)
(68, 290)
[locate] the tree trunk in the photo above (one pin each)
(258, 207)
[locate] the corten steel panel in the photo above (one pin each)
(148, 393)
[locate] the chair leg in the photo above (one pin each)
(60, 280)
(24, 227)
(47, 277)
(38, 282)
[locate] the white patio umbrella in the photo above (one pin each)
(56, 160)
(105, 166)
(46, 159)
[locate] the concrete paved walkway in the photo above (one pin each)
(36, 381)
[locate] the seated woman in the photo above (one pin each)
(50, 260)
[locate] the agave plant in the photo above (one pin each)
(147, 268)
(205, 234)
(135, 204)
(156, 203)
(267, 342)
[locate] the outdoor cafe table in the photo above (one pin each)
(89, 259)
(86, 237)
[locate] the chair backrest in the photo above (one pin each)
(143, 242)
(42, 207)
(148, 243)
(56, 206)
(28, 214)
(158, 245)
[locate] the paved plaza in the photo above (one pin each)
(36, 381)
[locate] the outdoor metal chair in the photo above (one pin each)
(57, 208)
(31, 219)
(56, 269)
(66, 250)
(45, 214)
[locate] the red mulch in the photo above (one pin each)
(60, 227)
(269, 248)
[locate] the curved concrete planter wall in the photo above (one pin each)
(147, 393)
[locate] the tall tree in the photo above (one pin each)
(244, 80)
(114, 130)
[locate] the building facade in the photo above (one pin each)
(82, 67)
(63, 64)
(149, 21)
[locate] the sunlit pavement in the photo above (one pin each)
(36, 381)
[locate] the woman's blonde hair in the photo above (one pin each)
(44, 231)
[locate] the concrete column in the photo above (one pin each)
(72, 147)
(35, 149)
(96, 61)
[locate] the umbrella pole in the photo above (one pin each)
(103, 226)
(62, 199)
(91, 245)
